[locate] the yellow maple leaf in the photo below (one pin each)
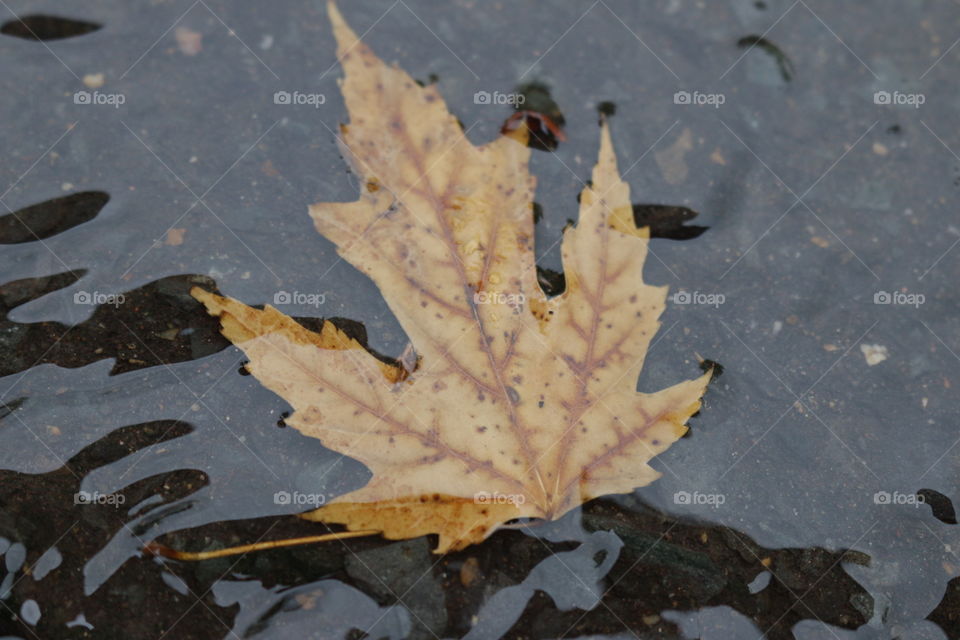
(521, 406)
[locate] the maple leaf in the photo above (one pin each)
(520, 406)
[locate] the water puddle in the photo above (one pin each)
(813, 495)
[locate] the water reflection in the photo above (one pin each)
(158, 323)
(202, 470)
(798, 296)
(51, 217)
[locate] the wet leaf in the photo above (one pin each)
(518, 406)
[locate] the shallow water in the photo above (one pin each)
(791, 510)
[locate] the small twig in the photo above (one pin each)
(157, 549)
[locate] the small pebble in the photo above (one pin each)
(93, 80)
(823, 243)
(874, 353)
(469, 571)
(190, 42)
(175, 237)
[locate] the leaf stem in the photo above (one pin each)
(157, 549)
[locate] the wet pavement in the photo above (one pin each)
(815, 142)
